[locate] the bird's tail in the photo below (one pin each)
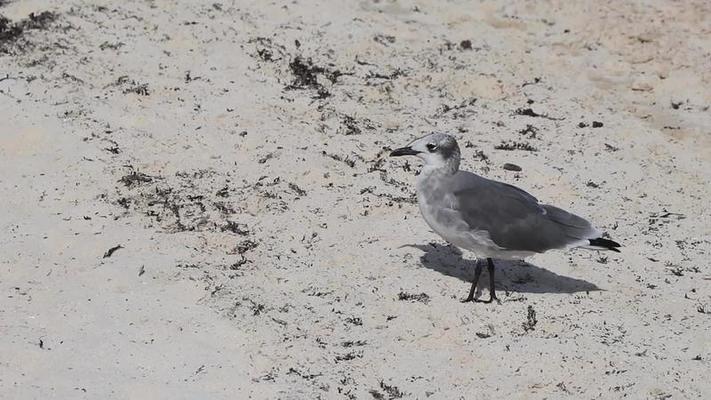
(604, 244)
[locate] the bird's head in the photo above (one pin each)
(437, 150)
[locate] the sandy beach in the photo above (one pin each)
(199, 202)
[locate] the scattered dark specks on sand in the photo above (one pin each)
(465, 44)
(385, 40)
(112, 250)
(582, 125)
(357, 321)
(535, 81)
(512, 167)
(421, 297)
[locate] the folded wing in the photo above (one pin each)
(514, 219)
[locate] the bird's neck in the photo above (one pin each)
(432, 175)
(445, 168)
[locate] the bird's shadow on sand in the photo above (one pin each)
(516, 276)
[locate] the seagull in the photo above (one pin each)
(492, 219)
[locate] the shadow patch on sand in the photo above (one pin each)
(516, 276)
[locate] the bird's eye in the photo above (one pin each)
(431, 147)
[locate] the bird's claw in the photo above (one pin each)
(473, 300)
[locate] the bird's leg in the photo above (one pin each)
(492, 291)
(477, 273)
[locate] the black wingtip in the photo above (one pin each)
(605, 243)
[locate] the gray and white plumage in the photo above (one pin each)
(490, 218)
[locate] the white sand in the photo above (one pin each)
(314, 310)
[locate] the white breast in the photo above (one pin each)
(449, 224)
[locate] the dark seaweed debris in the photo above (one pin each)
(305, 73)
(421, 297)
(135, 178)
(348, 161)
(141, 89)
(8, 30)
(246, 245)
(350, 126)
(351, 343)
(531, 320)
(294, 371)
(515, 146)
(11, 32)
(385, 40)
(130, 86)
(306, 76)
(481, 156)
(528, 112)
(267, 50)
(461, 110)
(610, 147)
(235, 227)
(299, 191)
(111, 251)
(349, 356)
(392, 392)
(529, 130)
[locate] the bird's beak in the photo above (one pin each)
(404, 151)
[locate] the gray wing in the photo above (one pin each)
(514, 219)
